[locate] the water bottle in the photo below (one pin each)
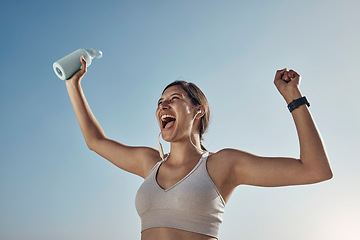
(70, 64)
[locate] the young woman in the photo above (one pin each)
(184, 193)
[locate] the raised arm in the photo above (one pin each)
(313, 165)
(137, 160)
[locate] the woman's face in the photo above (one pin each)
(175, 113)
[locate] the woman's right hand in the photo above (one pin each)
(76, 78)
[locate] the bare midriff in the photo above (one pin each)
(162, 233)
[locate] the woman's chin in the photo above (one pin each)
(166, 136)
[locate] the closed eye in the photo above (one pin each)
(173, 97)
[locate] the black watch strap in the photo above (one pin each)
(297, 103)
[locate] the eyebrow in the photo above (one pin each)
(171, 96)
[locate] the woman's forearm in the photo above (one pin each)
(89, 126)
(312, 151)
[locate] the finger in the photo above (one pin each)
(279, 73)
(83, 64)
(285, 77)
(83, 61)
(293, 73)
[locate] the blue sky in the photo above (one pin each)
(53, 187)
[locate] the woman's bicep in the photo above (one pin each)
(136, 160)
(254, 170)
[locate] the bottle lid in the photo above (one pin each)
(94, 53)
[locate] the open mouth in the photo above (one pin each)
(167, 121)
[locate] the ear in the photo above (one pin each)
(200, 112)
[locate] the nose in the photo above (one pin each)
(164, 104)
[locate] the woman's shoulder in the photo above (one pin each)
(227, 158)
(221, 159)
(227, 153)
(150, 157)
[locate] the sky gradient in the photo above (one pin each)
(53, 187)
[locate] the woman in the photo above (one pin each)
(184, 193)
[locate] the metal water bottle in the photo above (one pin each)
(70, 64)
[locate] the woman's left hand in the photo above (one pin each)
(287, 82)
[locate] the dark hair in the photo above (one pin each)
(197, 98)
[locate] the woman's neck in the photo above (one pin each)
(182, 151)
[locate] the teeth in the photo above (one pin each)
(166, 116)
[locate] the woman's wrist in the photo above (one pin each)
(73, 83)
(292, 95)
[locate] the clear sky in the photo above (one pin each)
(53, 187)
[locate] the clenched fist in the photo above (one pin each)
(288, 82)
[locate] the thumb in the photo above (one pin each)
(83, 69)
(279, 73)
(83, 63)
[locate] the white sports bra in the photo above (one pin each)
(193, 204)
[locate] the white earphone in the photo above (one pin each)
(197, 113)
